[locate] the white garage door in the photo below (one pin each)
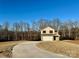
(47, 38)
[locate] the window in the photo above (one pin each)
(51, 31)
(44, 31)
(55, 30)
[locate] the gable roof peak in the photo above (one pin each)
(47, 27)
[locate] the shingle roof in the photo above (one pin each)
(46, 27)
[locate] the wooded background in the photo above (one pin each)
(68, 30)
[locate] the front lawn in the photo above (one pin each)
(60, 47)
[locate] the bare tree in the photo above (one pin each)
(6, 26)
(76, 27)
(42, 23)
(21, 24)
(35, 26)
(69, 25)
(6, 29)
(23, 28)
(63, 29)
(55, 23)
(1, 28)
(16, 29)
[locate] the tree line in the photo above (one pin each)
(68, 29)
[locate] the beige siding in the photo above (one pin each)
(47, 30)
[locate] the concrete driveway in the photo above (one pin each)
(30, 50)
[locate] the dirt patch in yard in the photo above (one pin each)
(6, 48)
(7, 51)
(61, 47)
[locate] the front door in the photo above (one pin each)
(54, 37)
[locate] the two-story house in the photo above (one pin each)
(49, 34)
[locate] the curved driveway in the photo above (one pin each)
(29, 50)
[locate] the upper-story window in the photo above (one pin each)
(44, 31)
(55, 30)
(51, 31)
